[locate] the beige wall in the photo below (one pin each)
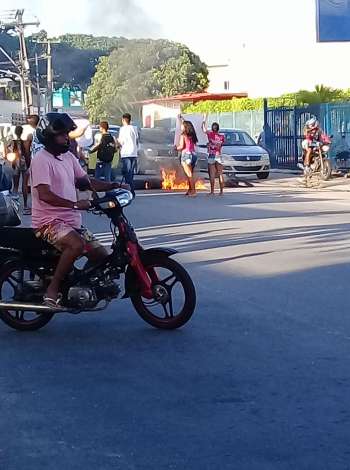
(155, 112)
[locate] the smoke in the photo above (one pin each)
(120, 18)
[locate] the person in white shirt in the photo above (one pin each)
(128, 141)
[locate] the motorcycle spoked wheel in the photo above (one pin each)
(327, 171)
(12, 279)
(174, 299)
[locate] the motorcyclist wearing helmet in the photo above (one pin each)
(312, 135)
(56, 212)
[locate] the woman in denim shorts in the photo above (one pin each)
(188, 159)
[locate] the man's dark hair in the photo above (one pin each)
(104, 125)
(127, 117)
(18, 131)
(33, 120)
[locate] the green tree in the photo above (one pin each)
(141, 69)
(321, 94)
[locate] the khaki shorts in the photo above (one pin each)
(54, 232)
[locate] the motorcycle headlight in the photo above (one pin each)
(325, 148)
(124, 198)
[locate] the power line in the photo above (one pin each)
(13, 20)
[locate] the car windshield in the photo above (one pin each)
(156, 136)
(237, 138)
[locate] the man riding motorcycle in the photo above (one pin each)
(312, 137)
(56, 216)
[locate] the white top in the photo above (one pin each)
(36, 145)
(128, 137)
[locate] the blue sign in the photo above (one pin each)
(333, 20)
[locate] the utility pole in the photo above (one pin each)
(38, 102)
(14, 21)
(50, 72)
(49, 77)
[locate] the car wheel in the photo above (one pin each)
(263, 176)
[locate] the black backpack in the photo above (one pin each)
(107, 149)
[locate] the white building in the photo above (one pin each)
(219, 78)
(162, 112)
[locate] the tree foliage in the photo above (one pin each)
(142, 69)
(321, 94)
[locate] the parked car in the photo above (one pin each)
(156, 150)
(241, 155)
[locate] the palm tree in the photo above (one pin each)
(321, 94)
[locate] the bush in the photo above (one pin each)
(321, 94)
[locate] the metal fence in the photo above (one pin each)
(249, 121)
(283, 130)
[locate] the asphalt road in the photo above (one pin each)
(258, 380)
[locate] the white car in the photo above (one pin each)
(240, 155)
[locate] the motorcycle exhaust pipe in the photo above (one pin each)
(29, 307)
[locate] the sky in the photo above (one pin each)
(270, 44)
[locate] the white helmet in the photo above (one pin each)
(312, 123)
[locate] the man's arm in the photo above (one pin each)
(96, 144)
(120, 139)
(85, 183)
(77, 132)
(98, 185)
(46, 195)
(27, 145)
(95, 148)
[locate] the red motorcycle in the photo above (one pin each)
(320, 162)
(160, 289)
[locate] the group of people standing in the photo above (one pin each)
(105, 146)
(187, 147)
(22, 150)
(25, 144)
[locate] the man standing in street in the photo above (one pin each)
(106, 148)
(128, 141)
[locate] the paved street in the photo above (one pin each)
(258, 380)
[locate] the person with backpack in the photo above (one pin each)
(105, 146)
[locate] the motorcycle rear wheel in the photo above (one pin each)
(12, 278)
(161, 311)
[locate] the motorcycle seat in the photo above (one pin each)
(23, 239)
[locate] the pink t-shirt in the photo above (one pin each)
(61, 176)
(216, 141)
(189, 145)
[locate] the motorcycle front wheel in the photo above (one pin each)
(174, 294)
(16, 283)
(327, 170)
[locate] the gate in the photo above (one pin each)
(283, 133)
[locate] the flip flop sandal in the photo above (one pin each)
(49, 302)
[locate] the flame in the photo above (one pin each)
(171, 181)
